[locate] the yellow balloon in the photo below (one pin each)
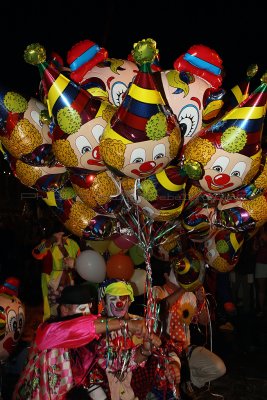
(114, 249)
(98, 245)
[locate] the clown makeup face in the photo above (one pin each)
(147, 158)
(85, 144)
(225, 172)
(83, 309)
(117, 306)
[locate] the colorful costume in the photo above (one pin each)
(58, 359)
(54, 274)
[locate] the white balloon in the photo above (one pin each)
(138, 281)
(91, 266)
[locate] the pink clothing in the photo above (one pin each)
(70, 333)
(49, 373)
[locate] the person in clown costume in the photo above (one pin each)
(58, 254)
(128, 358)
(180, 308)
(63, 351)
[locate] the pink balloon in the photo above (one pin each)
(125, 242)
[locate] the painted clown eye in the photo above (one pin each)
(117, 91)
(188, 119)
(83, 145)
(12, 321)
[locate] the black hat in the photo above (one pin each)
(78, 294)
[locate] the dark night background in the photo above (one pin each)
(235, 30)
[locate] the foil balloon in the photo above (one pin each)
(79, 117)
(161, 196)
(143, 136)
(222, 249)
(190, 98)
(104, 77)
(256, 187)
(230, 98)
(197, 218)
(77, 217)
(229, 152)
(169, 246)
(100, 191)
(202, 61)
(12, 317)
(242, 215)
(189, 269)
(25, 128)
(43, 178)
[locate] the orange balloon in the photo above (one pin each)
(120, 266)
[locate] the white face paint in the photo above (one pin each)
(83, 308)
(117, 306)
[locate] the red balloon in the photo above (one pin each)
(120, 266)
(125, 242)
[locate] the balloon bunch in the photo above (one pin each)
(140, 161)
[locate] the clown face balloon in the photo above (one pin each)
(12, 317)
(25, 130)
(228, 153)
(189, 97)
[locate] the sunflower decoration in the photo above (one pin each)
(187, 307)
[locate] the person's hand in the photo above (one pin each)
(69, 262)
(173, 372)
(137, 327)
(150, 342)
(58, 238)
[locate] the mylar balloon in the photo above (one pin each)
(189, 269)
(222, 249)
(187, 95)
(91, 266)
(120, 266)
(78, 218)
(79, 117)
(143, 136)
(12, 317)
(43, 178)
(102, 76)
(25, 128)
(161, 196)
(228, 153)
(97, 190)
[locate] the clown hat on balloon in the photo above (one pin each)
(70, 106)
(227, 155)
(203, 62)
(143, 135)
(83, 56)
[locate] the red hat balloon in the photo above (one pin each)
(202, 61)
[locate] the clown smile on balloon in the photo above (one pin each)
(118, 146)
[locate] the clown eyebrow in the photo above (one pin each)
(197, 101)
